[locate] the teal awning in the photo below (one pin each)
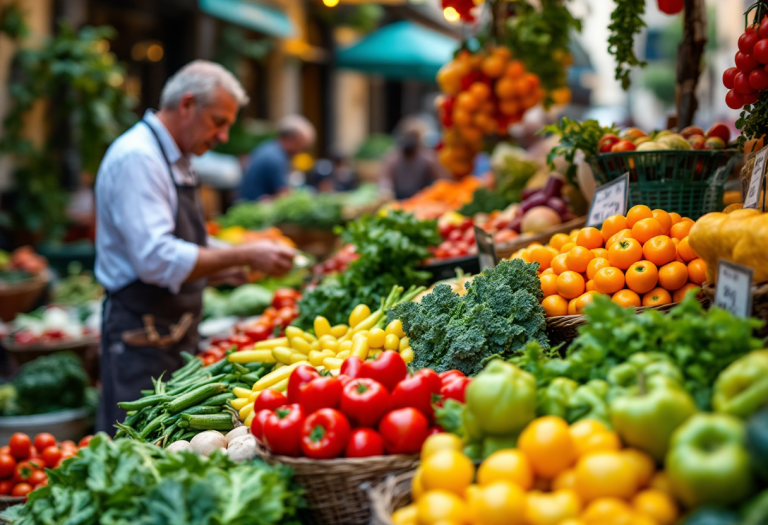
(250, 15)
(401, 51)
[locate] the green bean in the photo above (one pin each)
(144, 402)
(195, 397)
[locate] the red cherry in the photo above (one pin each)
(748, 40)
(734, 100)
(758, 79)
(751, 98)
(741, 84)
(763, 31)
(760, 51)
(728, 76)
(746, 63)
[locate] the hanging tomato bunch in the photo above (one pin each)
(463, 7)
(671, 7)
(484, 93)
(750, 76)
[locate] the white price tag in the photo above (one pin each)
(752, 200)
(486, 249)
(610, 199)
(734, 288)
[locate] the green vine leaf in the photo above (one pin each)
(626, 22)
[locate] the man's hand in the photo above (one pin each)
(269, 257)
(231, 276)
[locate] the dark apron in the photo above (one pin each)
(127, 369)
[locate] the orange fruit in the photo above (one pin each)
(572, 306)
(547, 443)
(554, 305)
(600, 252)
(578, 259)
(624, 253)
(623, 234)
(657, 297)
(567, 247)
(644, 465)
(558, 240)
(681, 230)
(590, 285)
(697, 271)
(584, 299)
(506, 465)
(642, 277)
(590, 435)
(657, 505)
(664, 219)
(605, 475)
(646, 229)
(613, 225)
(673, 276)
(685, 251)
(559, 265)
(637, 213)
(596, 264)
(660, 250)
(590, 238)
(548, 284)
(515, 69)
(570, 284)
(675, 217)
(542, 255)
(609, 280)
(548, 271)
(566, 480)
(626, 298)
(680, 293)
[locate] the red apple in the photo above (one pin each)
(697, 141)
(720, 130)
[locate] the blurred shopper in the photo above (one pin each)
(270, 164)
(151, 243)
(410, 167)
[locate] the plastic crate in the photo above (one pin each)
(688, 182)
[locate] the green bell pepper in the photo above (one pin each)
(742, 388)
(589, 402)
(624, 376)
(646, 415)
(501, 400)
(553, 400)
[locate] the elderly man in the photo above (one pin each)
(151, 243)
(270, 164)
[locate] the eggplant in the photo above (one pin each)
(537, 199)
(528, 192)
(558, 204)
(554, 186)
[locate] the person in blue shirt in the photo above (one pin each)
(270, 163)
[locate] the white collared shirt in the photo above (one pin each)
(136, 207)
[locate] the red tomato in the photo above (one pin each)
(286, 315)
(287, 295)
(37, 463)
(43, 441)
(21, 490)
(762, 32)
(240, 341)
(324, 434)
(758, 79)
(7, 465)
(84, 442)
(364, 401)
(728, 76)
(302, 375)
(456, 389)
(5, 450)
(217, 353)
(671, 7)
(363, 443)
(388, 369)
(51, 455)
(23, 471)
(323, 392)
(741, 84)
(734, 100)
(351, 367)
(37, 478)
(455, 235)
(281, 302)
(747, 40)
(5, 487)
(270, 399)
(282, 430)
(258, 332)
(20, 445)
(606, 142)
(760, 52)
(433, 380)
(445, 229)
(751, 98)
(623, 145)
(417, 392)
(449, 375)
(68, 444)
(270, 313)
(745, 63)
(404, 431)
(257, 425)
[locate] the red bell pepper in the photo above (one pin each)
(364, 401)
(404, 431)
(388, 369)
(302, 375)
(269, 399)
(364, 443)
(449, 375)
(418, 392)
(282, 430)
(351, 367)
(323, 392)
(257, 425)
(324, 434)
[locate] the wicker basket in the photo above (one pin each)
(394, 493)
(504, 250)
(759, 303)
(10, 501)
(21, 297)
(335, 490)
(24, 353)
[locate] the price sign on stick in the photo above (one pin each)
(734, 288)
(610, 199)
(752, 200)
(486, 249)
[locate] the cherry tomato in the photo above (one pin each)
(51, 455)
(5, 450)
(748, 40)
(751, 98)
(5, 487)
(37, 478)
(745, 63)
(728, 76)
(258, 332)
(7, 465)
(21, 490)
(404, 431)
(281, 302)
(741, 84)
(24, 470)
(84, 442)
(37, 462)
(734, 100)
(240, 341)
(20, 445)
(68, 444)
(762, 32)
(758, 79)
(760, 52)
(43, 441)
(363, 443)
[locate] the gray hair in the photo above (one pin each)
(293, 125)
(201, 78)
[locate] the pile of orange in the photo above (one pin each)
(643, 259)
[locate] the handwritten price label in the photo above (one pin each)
(486, 249)
(734, 288)
(752, 200)
(610, 199)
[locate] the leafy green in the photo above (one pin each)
(512, 169)
(299, 207)
(391, 247)
(127, 482)
(700, 343)
(484, 200)
(626, 22)
(497, 317)
(753, 120)
(51, 383)
(243, 301)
